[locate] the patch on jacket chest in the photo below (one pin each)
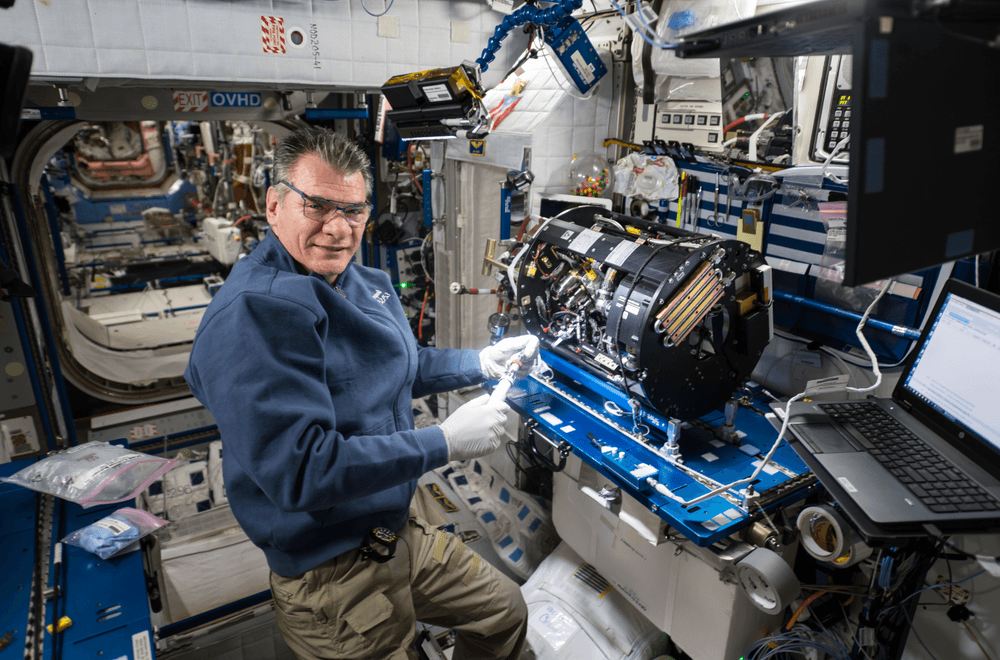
(380, 296)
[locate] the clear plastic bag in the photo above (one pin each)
(830, 270)
(92, 474)
(834, 216)
(646, 177)
(111, 535)
(679, 18)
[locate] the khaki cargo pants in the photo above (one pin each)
(358, 609)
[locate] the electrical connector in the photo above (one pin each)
(959, 613)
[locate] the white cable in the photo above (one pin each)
(423, 246)
(829, 159)
(752, 156)
(660, 488)
(672, 241)
(864, 343)
(767, 459)
(517, 257)
(371, 13)
(980, 641)
(753, 117)
(839, 359)
(977, 271)
(613, 408)
(611, 222)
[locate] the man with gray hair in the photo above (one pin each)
(308, 365)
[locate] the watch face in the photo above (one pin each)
(384, 534)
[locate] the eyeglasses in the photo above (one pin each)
(318, 209)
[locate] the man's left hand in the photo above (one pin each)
(493, 359)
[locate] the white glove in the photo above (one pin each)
(475, 429)
(493, 359)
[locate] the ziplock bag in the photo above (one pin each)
(109, 536)
(93, 473)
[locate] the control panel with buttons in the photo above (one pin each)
(696, 122)
(833, 121)
(839, 122)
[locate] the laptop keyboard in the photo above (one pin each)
(935, 480)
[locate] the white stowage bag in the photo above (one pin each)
(216, 486)
(519, 527)
(205, 559)
(573, 613)
(183, 491)
(206, 562)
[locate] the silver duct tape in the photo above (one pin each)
(827, 536)
(768, 580)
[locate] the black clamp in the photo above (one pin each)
(380, 536)
(11, 285)
(519, 180)
(563, 448)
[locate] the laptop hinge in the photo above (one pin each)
(933, 531)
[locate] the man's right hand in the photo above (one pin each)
(475, 429)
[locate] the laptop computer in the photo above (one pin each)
(930, 455)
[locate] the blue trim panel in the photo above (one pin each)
(898, 330)
(317, 113)
(217, 613)
(50, 113)
(93, 589)
(53, 217)
(428, 206)
(46, 328)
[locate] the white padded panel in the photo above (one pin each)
(221, 40)
(550, 118)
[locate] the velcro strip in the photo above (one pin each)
(455, 557)
(473, 571)
(439, 546)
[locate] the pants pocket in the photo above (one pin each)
(369, 613)
(301, 617)
(365, 624)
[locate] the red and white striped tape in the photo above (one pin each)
(190, 101)
(272, 34)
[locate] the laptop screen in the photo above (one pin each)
(957, 370)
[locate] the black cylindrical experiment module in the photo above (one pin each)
(685, 323)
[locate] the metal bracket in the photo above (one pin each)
(564, 448)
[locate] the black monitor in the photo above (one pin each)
(15, 68)
(925, 134)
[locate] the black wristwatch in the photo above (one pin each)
(380, 536)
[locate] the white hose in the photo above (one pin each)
(752, 155)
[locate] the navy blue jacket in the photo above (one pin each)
(311, 386)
